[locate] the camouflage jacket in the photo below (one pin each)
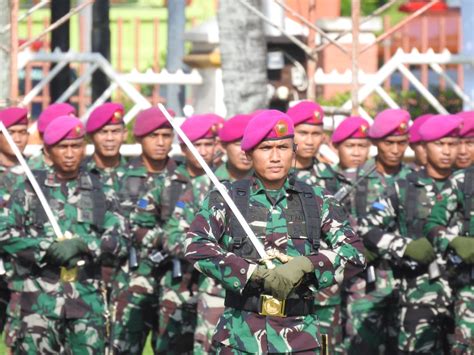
(209, 247)
(397, 219)
(449, 217)
(109, 176)
(318, 174)
(37, 162)
(26, 235)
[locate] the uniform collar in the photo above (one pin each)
(258, 188)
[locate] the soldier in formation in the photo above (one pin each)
(150, 219)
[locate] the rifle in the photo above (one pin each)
(346, 190)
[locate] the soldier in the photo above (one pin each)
(415, 142)
(276, 212)
(466, 147)
(308, 117)
(371, 297)
(107, 131)
(15, 120)
(135, 294)
(394, 229)
(178, 290)
(40, 160)
(450, 229)
(62, 308)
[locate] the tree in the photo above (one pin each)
(244, 52)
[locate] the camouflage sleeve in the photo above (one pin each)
(344, 256)
(378, 227)
(146, 223)
(14, 236)
(179, 222)
(206, 246)
(438, 228)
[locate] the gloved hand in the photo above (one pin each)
(464, 247)
(421, 251)
(280, 281)
(370, 256)
(61, 252)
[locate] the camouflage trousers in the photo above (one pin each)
(464, 320)
(4, 299)
(227, 350)
(177, 315)
(209, 311)
(13, 320)
(371, 314)
(331, 325)
(134, 316)
(42, 335)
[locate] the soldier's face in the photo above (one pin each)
(308, 138)
(442, 153)
(353, 152)
(420, 153)
(237, 157)
(108, 139)
(272, 159)
(390, 150)
(465, 156)
(205, 147)
(157, 144)
(20, 136)
(67, 155)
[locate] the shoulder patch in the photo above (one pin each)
(180, 204)
(142, 203)
(378, 206)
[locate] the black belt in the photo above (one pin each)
(293, 307)
(53, 273)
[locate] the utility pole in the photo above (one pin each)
(100, 43)
(175, 52)
(5, 51)
(60, 39)
(355, 56)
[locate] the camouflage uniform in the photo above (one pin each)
(10, 286)
(328, 301)
(209, 247)
(135, 292)
(392, 223)
(371, 320)
(37, 162)
(449, 218)
(177, 299)
(58, 314)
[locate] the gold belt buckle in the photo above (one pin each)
(68, 275)
(270, 306)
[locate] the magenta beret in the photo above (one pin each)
(150, 120)
(63, 127)
(306, 112)
(234, 128)
(390, 122)
(351, 127)
(440, 126)
(53, 111)
(108, 113)
(14, 116)
(268, 124)
(199, 127)
(415, 128)
(467, 130)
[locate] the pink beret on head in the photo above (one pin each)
(54, 111)
(267, 125)
(467, 130)
(234, 128)
(390, 122)
(306, 112)
(440, 126)
(351, 127)
(150, 120)
(199, 127)
(63, 127)
(14, 116)
(415, 128)
(108, 113)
